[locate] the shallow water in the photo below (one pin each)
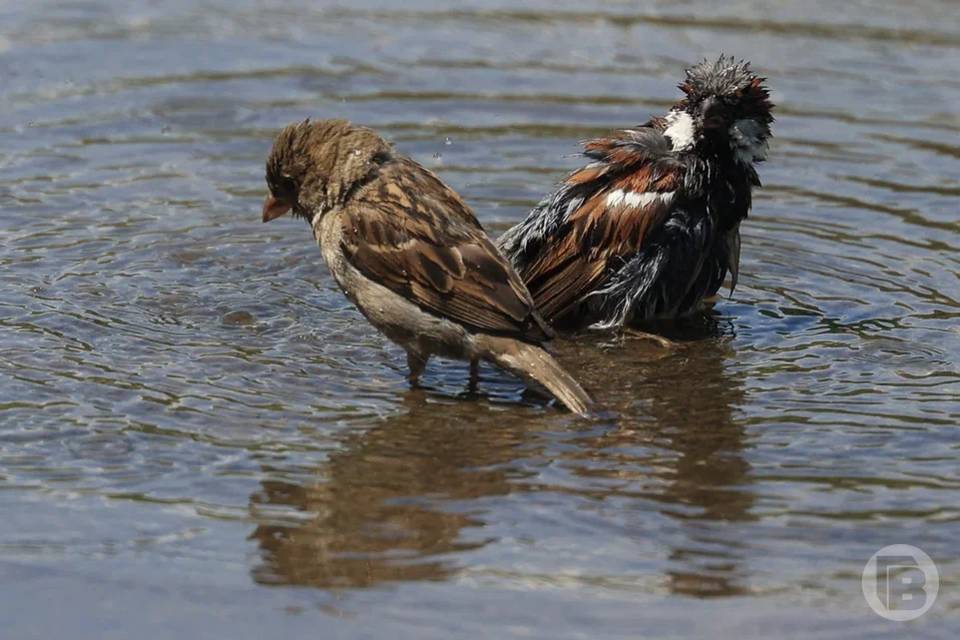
(199, 437)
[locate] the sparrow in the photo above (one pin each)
(650, 227)
(409, 253)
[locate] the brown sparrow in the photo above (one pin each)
(409, 253)
(650, 226)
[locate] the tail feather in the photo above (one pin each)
(534, 363)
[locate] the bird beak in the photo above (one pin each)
(274, 208)
(712, 114)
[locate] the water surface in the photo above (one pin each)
(200, 437)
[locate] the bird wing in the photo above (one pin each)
(603, 213)
(414, 235)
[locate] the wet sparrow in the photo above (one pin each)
(408, 252)
(651, 226)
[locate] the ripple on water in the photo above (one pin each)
(189, 405)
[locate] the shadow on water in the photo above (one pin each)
(393, 501)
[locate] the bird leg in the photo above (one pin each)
(474, 375)
(416, 363)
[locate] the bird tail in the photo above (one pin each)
(534, 363)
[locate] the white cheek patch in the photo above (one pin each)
(634, 199)
(747, 140)
(680, 129)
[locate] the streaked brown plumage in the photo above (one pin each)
(410, 254)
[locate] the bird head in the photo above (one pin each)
(726, 109)
(313, 166)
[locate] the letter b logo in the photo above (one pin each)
(900, 582)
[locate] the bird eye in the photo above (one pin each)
(286, 187)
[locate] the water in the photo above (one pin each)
(200, 438)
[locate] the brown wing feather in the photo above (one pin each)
(414, 235)
(598, 237)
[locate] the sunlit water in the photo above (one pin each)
(201, 438)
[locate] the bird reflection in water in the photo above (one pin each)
(404, 500)
(682, 403)
(383, 507)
